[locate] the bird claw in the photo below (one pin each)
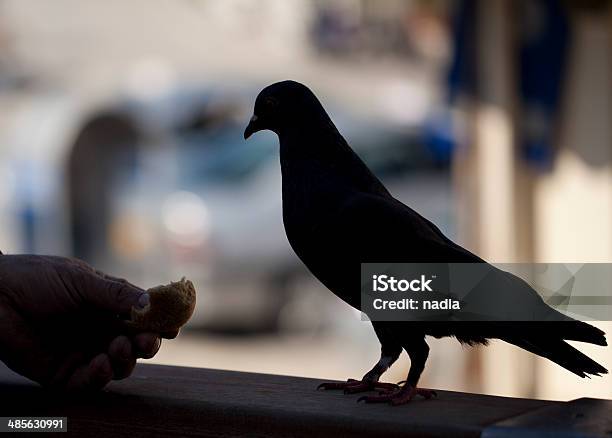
(353, 386)
(399, 397)
(336, 385)
(386, 387)
(382, 398)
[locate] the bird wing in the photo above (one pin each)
(369, 229)
(382, 228)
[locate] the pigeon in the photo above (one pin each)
(337, 214)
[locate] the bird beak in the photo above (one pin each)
(252, 128)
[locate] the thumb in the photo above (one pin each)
(113, 294)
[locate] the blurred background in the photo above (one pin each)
(121, 143)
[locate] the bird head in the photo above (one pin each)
(281, 104)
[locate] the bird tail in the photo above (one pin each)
(560, 352)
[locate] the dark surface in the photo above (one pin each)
(584, 417)
(176, 401)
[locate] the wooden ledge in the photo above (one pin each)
(174, 401)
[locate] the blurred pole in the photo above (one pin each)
(493, 133)
(489, 182)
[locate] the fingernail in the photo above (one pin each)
(143, 300)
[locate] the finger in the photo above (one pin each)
(121, 356)
(146, 345)
(66, 369)
(70, 261)
(106, 276)
(92, 376)
(170, 335)
(118, 297)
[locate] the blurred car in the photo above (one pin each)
(158, 188)
(214, 201)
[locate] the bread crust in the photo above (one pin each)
(170, 307)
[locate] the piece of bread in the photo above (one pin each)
(170, 307)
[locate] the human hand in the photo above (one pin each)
(61, 326)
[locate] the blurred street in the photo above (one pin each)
(121, 143)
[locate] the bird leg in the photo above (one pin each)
(418, 353)
(369, 382)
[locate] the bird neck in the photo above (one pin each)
(310, 151)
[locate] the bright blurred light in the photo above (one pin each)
(186, 218)
(403, 102)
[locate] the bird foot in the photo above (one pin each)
(399, 396)
(353, 386)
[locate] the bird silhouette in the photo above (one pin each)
(337, 214)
